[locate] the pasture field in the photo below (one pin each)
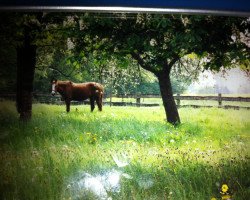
(124, 153)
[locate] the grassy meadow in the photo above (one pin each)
(124, 153)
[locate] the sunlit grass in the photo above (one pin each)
(38, 159)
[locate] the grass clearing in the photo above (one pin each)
(123, 153)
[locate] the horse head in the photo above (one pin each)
(53, 82)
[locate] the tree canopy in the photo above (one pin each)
(100, 46)
(159, 42)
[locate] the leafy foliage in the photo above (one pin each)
(76, 46)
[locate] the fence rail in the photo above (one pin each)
(190, 97)
(47, 98)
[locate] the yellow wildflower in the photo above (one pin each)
(213, 198)
(226, 197)
(224, 188)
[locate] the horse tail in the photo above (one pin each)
(99, 90)
(99, 93)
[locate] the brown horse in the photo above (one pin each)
(79, 92)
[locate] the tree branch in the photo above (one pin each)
(60, 72)
(137, 57)
(174, 60)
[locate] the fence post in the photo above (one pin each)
(110, 99)
(219, 100)
(178, 100)
(138, 101)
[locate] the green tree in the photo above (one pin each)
(26, 33)
(158, 42)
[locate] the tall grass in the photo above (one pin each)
(43, 158)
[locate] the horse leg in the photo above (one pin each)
(67, 105)
(99, 103)
(92, 104)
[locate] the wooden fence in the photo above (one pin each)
(219, 98)
(49, 99)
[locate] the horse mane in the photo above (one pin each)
(63, 82)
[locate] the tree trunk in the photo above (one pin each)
(168, 98)
(26, 60)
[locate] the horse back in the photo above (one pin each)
(83, 91)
